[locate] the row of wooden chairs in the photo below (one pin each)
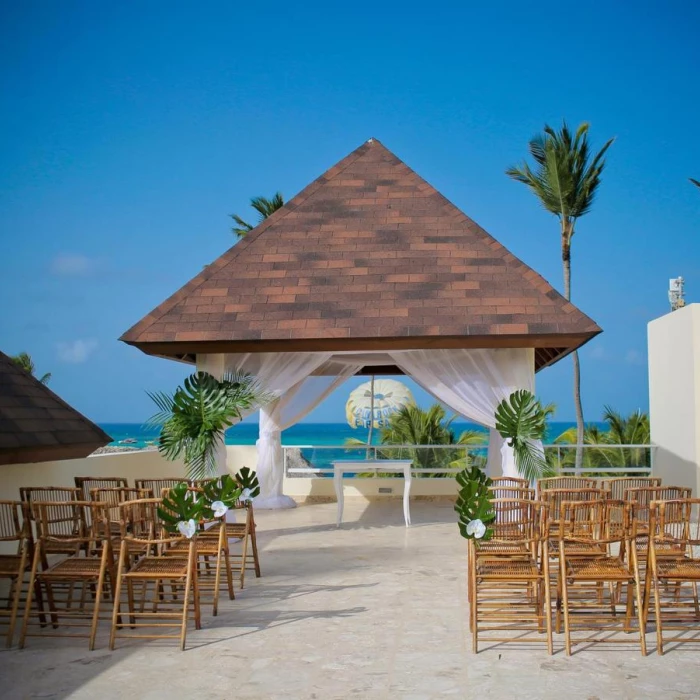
(66, 524)
(74, 588)
(600, 547)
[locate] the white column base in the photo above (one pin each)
(274, 502)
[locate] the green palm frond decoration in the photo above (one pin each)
(521, 421)
(225, 489)
(179, 505)
(193, 419)
(248, 479)
(473, 504)
(264, 206)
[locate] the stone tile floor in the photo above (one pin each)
(370, 610)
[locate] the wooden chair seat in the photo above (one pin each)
(72, 568)
(507, 569)
(159, 567)
(595, 569)
(10, 564)
(678, 568)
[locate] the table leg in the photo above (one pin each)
(406, 495)
(338, 483)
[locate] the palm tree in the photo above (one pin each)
(412, 425)
(565, 179)
(193, 420)
(630, 430)
(24, 360)
(265, 207)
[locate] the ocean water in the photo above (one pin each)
(136, 435)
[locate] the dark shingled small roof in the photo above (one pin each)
(38, 426)
(368, 257)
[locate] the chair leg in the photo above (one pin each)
(254, 543)
(657, 613)
(547, 602)
(565, 603)
(116, 612)
(640, 613)
(98, 600)
(28, 605)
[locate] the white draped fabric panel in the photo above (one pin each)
(472, 383)
(287, 377)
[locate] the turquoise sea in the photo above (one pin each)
(135, 435)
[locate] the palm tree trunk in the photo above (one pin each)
(567, 232)
(371, 415)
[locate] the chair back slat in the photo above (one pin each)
(517, 520)
(501, 492)
(156, 486)
(555, 497)
(600, 521)
(12, 524)
(566, 482)
(65, 522)
(87, 483)
(510, 481)
(620, 485)
(676, 522)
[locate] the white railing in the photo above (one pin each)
(598, 460)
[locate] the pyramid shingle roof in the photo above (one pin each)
(368, 256)
(38, 426)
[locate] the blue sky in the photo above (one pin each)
(131, 130)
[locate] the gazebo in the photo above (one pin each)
(36, 425)
(369, 269)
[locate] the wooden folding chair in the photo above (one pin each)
(75, 585)
(144, 568)
(156, 486)
(674, 527)
(597, 527)
(13, 528)
(87, 483)
(213, 558)
(566, 482)
(509, 588)
(243, 534)
(69, 528)
(619, 486)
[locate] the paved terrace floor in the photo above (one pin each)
(371, 610)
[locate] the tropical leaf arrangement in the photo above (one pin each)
(248, 481)
(194, 418)
(522, 421)
(473, 505)
(182, 509)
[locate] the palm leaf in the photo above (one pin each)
(474, 501)
(179, 505)
(248, 479)
(521, 421)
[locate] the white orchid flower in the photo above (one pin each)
(219, 508)
(245, 495)
(187, 528)
(476, 529)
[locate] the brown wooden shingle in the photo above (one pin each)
(369, 234)
(38, 426)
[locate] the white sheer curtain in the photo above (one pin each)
(287, 377)
(472, 383)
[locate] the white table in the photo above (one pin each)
(341, 466)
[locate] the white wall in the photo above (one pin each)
(674, 396)
(149, 464)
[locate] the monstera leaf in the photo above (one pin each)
(521, 421)
(248, 480)
(179, 507)
(193, 420)
(220, 495)
(473, 504)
